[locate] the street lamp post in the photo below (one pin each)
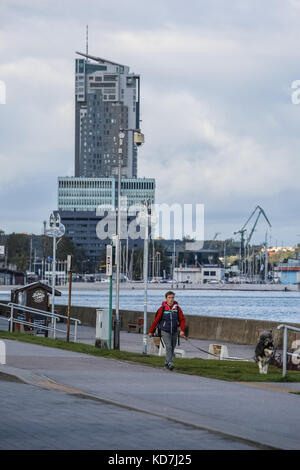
(138, 140)
(55, 230)
(144, 218)
(158, 263)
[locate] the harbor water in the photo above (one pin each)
(260, 305)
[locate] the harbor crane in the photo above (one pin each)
(211, 243)
(243, 230)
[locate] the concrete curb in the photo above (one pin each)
(22, 375)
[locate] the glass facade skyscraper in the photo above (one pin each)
(107, 98)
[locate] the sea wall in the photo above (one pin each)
(233, 330)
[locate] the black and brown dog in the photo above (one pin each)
(263, 352)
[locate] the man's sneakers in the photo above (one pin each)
(169, 366)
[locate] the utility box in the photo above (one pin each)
(102, 328)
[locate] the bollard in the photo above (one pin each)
(284, 358)
(2, 353)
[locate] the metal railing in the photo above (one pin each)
(42, 313)
(285, 352)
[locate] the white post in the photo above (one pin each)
(126, 262)
(2, 353)
(117, 322)
(284, 352)
(266, 258)
(11, 318)
(53, 280)
(75, 333)
(54, 327)
(146, 217)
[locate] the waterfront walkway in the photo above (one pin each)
(133, 342)
(120, 405)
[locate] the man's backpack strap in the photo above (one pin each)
(158, 328)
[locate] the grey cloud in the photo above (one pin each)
(216, 105)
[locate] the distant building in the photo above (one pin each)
(107, 98)
(202, 275)
(202, 266)
(289, 273)
(11, 277)
(87, 194)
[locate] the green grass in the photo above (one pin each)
(237, 371)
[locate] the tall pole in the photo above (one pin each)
(126, 261)
(145, 266)
(173, 261)
(53, 279)
(109, 267)
(266, 258)
(110, 312)
(153, 259)
(117, 322)
(56, 229)
(69, 306)
(139, 141)
(30, 267)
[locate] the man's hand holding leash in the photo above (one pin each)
(182, 335)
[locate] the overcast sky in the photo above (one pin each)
(217, 113)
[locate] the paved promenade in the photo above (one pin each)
(207, 413)
(134, 342)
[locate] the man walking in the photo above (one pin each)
(168, 316)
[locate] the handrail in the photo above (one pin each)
(12, 306)
(4, 318)
(24, 322)
(288, 327)
(3, 305)
(285, 338)
(40, 312)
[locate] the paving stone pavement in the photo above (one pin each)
(264, 416)
(36, 419)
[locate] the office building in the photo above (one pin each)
(88, 194)
(107, 98)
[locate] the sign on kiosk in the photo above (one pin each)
(108, 260)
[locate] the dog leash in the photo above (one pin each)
(216, 355)
(199, 349)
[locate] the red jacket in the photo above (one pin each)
(158, 317)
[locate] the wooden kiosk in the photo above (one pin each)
(37, 296)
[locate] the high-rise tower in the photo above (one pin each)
(107, 98)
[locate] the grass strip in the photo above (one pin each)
(234, 371)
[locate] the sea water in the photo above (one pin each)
(261, 305)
